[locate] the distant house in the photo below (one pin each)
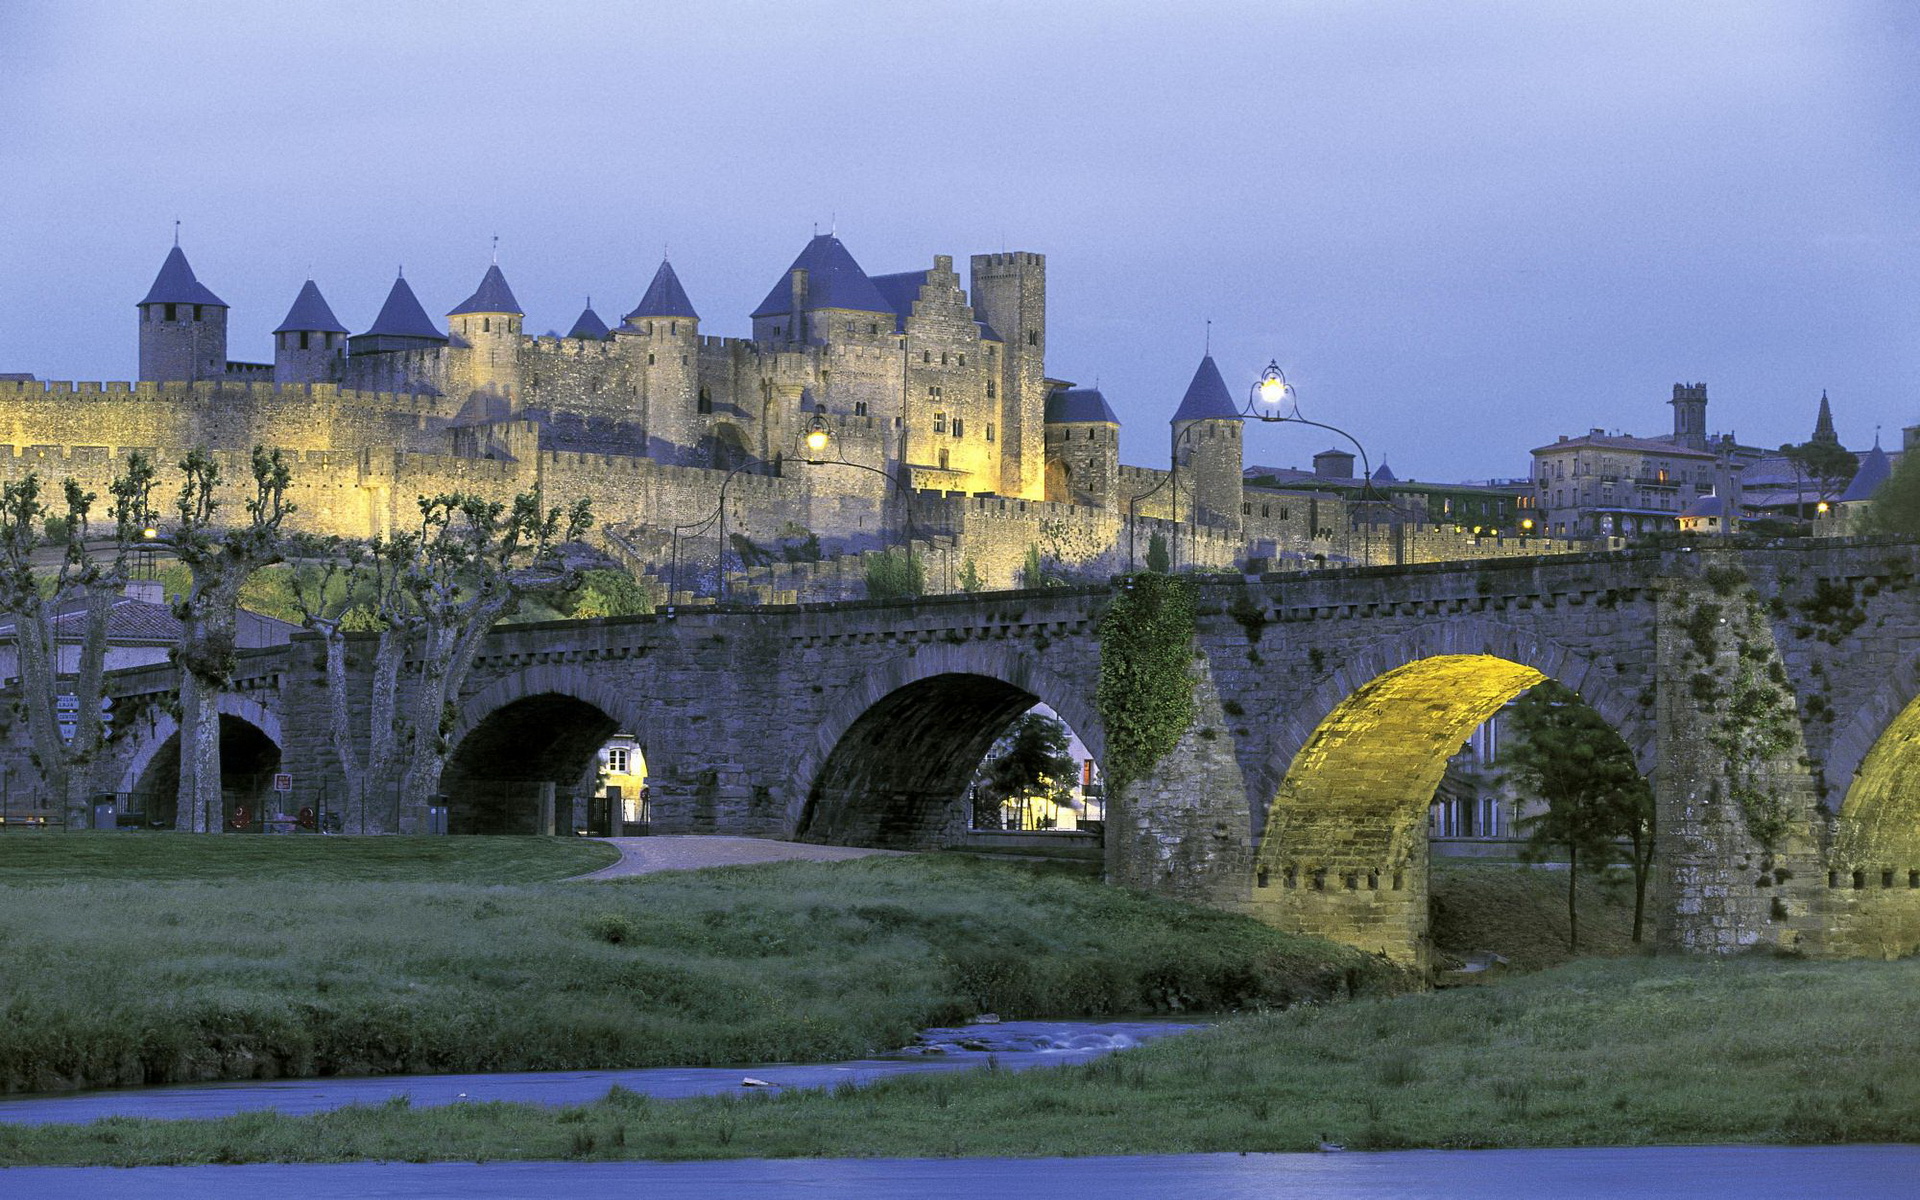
(140, 631)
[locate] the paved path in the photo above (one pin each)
(687, 852)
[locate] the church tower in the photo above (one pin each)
(1207, 451)
(311, 339)
(1823, 434)
(183, 326)
(1690, 415)
(488, 323)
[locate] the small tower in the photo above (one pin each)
(588, 326)
(1823, 434)
(487, 325)
(308, 344)
(1690, 415)
(1083, 448)
(661, 339)
(183, 326)
(1207, 451)
(824, 296)
(401, 325)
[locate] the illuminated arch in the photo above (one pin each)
(908, 735)
(1873, 774)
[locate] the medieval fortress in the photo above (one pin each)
(942, 426)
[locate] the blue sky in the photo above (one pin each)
(1462, 229)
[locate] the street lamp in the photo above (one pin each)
(1273, 400)
(819, 437)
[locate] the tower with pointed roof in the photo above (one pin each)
(823, 296)
(309, 343)
(660, 340)
(487, 325)
(1083, 448)
(1010, 294)
(183, 326)
(1208, 452)
(1823, 433)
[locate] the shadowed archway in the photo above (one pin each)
(249, 759)
(494, 776)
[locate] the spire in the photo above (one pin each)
(1823, 425)
(175, 284)
(1207, 398)
(834, 280)
(492, 296)
(1874, 469)
(310, 313)
(402, 316)
(665, 298)
(1384, 474)
(589, 325)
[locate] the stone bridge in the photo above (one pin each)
(1764, 692)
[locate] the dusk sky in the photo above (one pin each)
(1462, 229)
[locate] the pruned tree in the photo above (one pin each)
(82, 587)
(218, 560)
(472, 561)
(1566, 755)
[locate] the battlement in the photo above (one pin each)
(257, 391)
(1008, 259)
(576, 347)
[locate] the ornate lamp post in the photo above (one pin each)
(819, 437)
(1273, 400)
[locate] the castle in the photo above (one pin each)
(941, 427)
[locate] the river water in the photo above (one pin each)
(1693, 1172)
(1013, 1045)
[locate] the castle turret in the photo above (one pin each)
(1690, 415)
(311, 339)
(1083, 448)
(1207, 451)
(487, 323)
(183, 326)
(1010, 295)
(588, 326)
(824, 295)
(401, 325)
(661, 338)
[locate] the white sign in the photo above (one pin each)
(282, 783)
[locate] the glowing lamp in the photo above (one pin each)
(817, 436)
(1822, 508)
(149, 533)
(1270, 392)
(1527, 524)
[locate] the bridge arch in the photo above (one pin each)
(1344, 793)
(1873, 788)
(251, 745)
(543, 724)
(895, 753)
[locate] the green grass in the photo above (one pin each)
(38, 858)
(1521, 912)
(262, 974)
(1614, 1052)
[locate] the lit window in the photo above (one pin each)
(939, 422)
(617, 760)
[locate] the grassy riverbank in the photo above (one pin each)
(1623, 1052)
(34, 859)
(267, 972)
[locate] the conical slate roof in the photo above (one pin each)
(492, 296)
(1078, 404)
(1384, 474)
(665, 297)
(310, 313)
(402, 316)
(175, 284)
(834, 280)
(588, 325)
(1207, 398)
(1873, 472)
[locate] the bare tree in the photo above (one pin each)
(42, 620)
(219, 560)
(430, 596)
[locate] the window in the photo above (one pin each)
(705, 401)
(859, 408)
(943, 460)
(196, 312)
(990, 389)
(1033, 337)
(649, 358)
(303, 341)
(1246, 510)
(874, 328)
(943, 358)
(939, 422)
(958, 427)
(926, 356)
(486, 324)
(170, 312)
(617, 760)
(989, 430)
(963, 360)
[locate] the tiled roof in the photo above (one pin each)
(588, 325)
(310, 313)
(1079, 404)
(834, 280)
(402, 316)
(130, 621)
(665, 297)
(1621, 441)
(492, 296)
(175, 284)
(1207, 398)
(1705, 506)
